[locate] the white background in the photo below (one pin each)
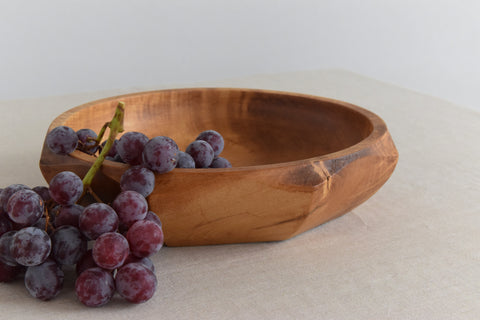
(59, 47)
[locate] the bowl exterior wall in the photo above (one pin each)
(249, 204)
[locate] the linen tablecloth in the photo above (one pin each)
(412, 251)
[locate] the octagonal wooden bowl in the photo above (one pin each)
(298, 160)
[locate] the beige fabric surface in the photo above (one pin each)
(412, 251)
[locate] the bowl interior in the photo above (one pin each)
(259, 127)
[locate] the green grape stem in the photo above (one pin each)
(115, 126)
(100, 134)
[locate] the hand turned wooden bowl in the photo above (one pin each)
(298, 160)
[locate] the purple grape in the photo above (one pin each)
(9, 273)
(44, 281)
(145, 261)
(66, 188)
(130, 147)
(25, 207)
(138, 179)
(6, 248)
(95, 287)
(151, 216)
(97, 219)
(117, 158)
(43, 192)
(145, 238)
(160, 154)
(110, 250)
(42, 224)
(185, 160)
(112, 153)
(214, 139)
(87, 140)
(201, 152)
(130, 207)
(62, 140)
(135, 282)
(85, 262)
(68, 245)
(5, 224)
(220, 163)
(67, 215)
(30, 246)
(8, 192)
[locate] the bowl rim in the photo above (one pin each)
(379, 129)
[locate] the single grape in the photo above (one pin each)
(201, 152)
(43, 192)
(145, 261)
(42, 224)
(6, 248)
(5, 224)
(97, 219)
(87, 140)
(220, 163)
(185, 160)
(135, 282)
(151, 216)
(214, 139)
(8, 192)
(145, 238)
(95, 287)
(110, 250)
(67, 215)
(139, 179)
(112, 153)
(9, 273)
(25, 207)
(160, 154)
(66, 188)
(30, 246)
(85, 262)
(117, 158)
(62, 140)
(130, 147)
(130, 207)
(68, 245)
(44, 281)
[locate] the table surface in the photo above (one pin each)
(412, 251)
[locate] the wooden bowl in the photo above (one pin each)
(298, 160)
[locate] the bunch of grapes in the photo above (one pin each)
(159, 154)
(43, 230)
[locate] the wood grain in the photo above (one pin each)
(298, 160)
